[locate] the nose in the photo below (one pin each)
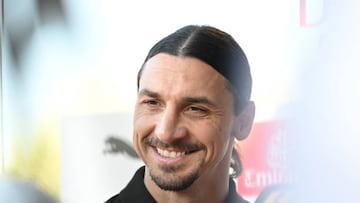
(169, 128)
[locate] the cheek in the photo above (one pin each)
(216, 137)
(143, 126)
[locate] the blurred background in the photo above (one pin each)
(68, 87)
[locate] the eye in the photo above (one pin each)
(151, 102)
(196, 109)
(151, 105)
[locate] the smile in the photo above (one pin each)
(170, 154)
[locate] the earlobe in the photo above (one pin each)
(245, 121)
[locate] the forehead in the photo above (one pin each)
(177, 68)
(182, 75)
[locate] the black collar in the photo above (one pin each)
(136, 192)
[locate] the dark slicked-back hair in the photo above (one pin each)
(219, 50)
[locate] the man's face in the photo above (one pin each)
(183, 122)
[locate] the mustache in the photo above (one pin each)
(181, 145)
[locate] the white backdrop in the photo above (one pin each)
(88, 173)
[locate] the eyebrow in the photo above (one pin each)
(149, 93)
(199, 100)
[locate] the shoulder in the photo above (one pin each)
(114, 199)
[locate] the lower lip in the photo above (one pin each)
(167, 160)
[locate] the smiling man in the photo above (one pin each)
(193, 103)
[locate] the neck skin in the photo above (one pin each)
(211, 187)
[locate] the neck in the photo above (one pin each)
(207, 188)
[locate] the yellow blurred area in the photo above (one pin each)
(35, 152)
(38, 159)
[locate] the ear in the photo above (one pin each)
(244, 121)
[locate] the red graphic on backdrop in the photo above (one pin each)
(264, 158)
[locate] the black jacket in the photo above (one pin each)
(136, 192)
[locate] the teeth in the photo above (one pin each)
(169, 154)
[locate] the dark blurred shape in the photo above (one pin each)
(51, 11)
(19, 191)
(21, 22)
(19, 37)
(19, 27)
(115, 145)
